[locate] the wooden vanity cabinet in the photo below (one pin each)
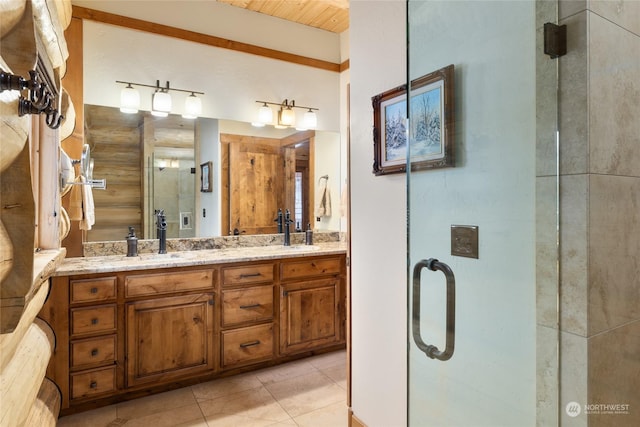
(93, 344)
(169, 325)
(169, 338)
(247, 315)
(312, 304)
(131, 333)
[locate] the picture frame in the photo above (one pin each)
(206, 177)
(432, 125)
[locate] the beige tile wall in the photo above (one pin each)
(600, 211)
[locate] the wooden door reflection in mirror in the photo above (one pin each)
(259, 177)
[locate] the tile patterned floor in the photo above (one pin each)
(310, 392)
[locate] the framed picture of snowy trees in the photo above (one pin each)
(431, 125)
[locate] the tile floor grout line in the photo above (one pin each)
(204, 418)
(279, 404)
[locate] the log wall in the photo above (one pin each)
(32, 32)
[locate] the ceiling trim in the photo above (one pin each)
(179, 33)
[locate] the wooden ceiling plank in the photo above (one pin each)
(302, 11)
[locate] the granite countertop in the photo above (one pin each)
(113, 263)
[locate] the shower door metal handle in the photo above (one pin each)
(431, 350)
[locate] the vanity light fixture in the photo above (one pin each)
(310, 119)
(265, 114)
(286, 114)
(160, 100)
(129, 100)
(192, 107)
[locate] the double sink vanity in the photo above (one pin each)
(130, 326)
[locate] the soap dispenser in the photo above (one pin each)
(132, 243)
(308, 235)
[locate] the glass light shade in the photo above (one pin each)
(310, 119)
(265, 114)
(287, 117)
(192, 107)
(161, 104)
(129, 100)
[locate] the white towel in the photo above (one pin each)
(81, 207)
(323, 198)
(88, 208)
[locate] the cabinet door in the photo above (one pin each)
(169, 338)
(309, 315)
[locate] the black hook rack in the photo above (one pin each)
(40, 100)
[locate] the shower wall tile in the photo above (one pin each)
(547, 348)
(614, 371)
(573, 377)
(625, 13)
(574, 129)
(573, 253)
(614, 98)
(546, 111)
(546, 252)
(546, 11)
(570, 7)
(614, 251)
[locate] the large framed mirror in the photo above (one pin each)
(154, 163)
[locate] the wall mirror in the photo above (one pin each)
(154, 163)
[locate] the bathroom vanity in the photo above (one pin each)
(127, 327)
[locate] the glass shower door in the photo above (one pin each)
(482, 189)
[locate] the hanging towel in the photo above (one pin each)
(75, 200)
(88, 208)
(323, 198)
(81, 207)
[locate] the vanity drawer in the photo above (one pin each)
(92, 290)
(93, 351)
(163, 283)
(246, 345)
(247, 305)
(247, 274)
(92, 320)
(98, 381)
(310, 267)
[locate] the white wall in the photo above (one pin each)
(232, 81)
(327, 162)
(208, 150)
(378, 223)
(228, 22)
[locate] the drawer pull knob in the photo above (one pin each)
(94, 290)
(94, 352)
(245, 276)
(250, 344)
(250, 306)
(93, 385)
(94, 321)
